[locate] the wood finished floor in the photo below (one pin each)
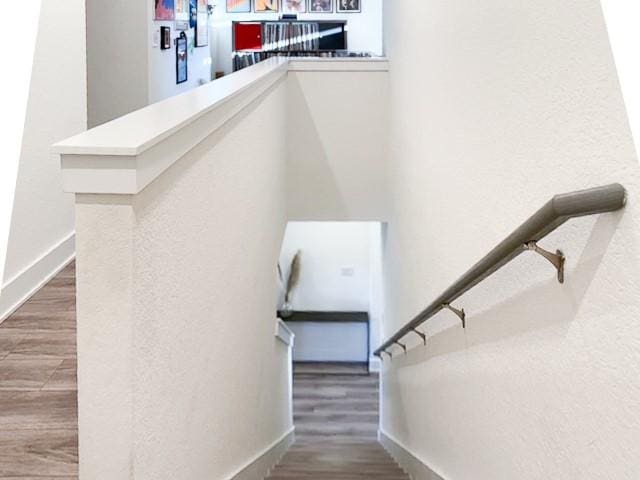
(336, 407)
(38, 387)
(336, 418)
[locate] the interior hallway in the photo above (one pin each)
(336, 419)
(38, 387)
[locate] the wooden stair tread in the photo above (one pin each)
(336, 418)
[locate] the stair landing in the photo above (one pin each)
(336, 418)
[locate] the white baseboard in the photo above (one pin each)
(21, 287)
(374, 365)
(415, 468)
(260, 466)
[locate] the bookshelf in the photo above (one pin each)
(254, 41)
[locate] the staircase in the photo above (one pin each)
(336, 417)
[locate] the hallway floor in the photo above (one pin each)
(336, 418)
(38, 398)
(336, 415)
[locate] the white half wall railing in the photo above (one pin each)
(180, 214)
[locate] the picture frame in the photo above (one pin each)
(266, 6)
(182, 60)
(182, 14)
(320, 6)
(193, 13)
(349, 6)
(238, 6)
(164, 10)
(202, 24)
(294, 7)
(165, 38)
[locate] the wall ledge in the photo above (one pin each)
(408, 461)
(124, 156)
(374, 64)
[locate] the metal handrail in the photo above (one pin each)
(556, 212)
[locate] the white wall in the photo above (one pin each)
(365, 29)
(335, 265)
(117, 58)
(337, 144)
(496, 106)
(14, 96)
(42, 222)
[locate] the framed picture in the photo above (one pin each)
(165, 38)
(293, 7)
(193, 13)
(202, 23)
(349, 6)
(164, 10)
(321, 6)
(238, 6)
(267, 6)
(182, 14)
(181, 58)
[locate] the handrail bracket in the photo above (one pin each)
(556, 259)
(460, 313)
(421, 335)
(404, 347)
(553, 214)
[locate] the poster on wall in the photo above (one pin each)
(349, 6)
(267, 6)
(181, 58)
(321, 6)
(164, 10)
(182, 14)
(202, 24)
(238, 6)
(294, 6)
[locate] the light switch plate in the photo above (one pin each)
(348, 271)
(156, 38)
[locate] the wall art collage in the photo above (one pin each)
(294, 7)
(186, 15)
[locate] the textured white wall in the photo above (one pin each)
(177, 355)
(496, 106)
(337, 146)
(42, 215)
(365, 29)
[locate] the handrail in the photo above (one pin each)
(556, 212)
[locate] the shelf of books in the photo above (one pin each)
(257, 41)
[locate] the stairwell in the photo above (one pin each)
(336, 418)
